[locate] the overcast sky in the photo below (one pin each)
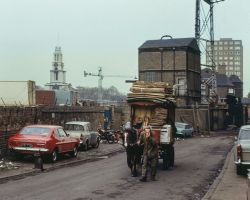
(102, 33)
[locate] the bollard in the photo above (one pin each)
(38, 164)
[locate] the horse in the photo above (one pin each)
(133, 150)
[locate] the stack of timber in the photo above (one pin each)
(156, 92)
(159, 118)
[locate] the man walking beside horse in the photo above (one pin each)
(150, 153)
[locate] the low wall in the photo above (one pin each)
(13, 119)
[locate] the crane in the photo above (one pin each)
(101, 76)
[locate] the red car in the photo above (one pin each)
(45, 140)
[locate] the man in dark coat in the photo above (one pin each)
(150, 153)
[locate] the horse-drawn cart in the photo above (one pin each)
(153, 104)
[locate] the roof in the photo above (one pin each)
(206, 73)
(245, 127)
(223, 80)
(235, 79)
(78, 123)
(44, 126)
(168, 43)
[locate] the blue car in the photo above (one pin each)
(184, 129)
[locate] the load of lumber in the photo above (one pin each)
(159, 118)
(157, 92)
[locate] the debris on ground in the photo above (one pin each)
(7, 165)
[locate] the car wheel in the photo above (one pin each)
(86, 146)
(97, 143)
(54, 156)
(238, 170)
(74, 152)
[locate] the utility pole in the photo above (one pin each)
(211, 33)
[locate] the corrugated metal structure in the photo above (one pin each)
(17, 93)
(63, 97)
(175, 61)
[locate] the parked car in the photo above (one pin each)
(43, 139)
(184, 129)
(242, 150)
(82, 130)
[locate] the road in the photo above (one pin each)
(198, 162)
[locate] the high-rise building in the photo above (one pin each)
(58, 74)
(228, 56)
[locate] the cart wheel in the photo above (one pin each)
(166, 162)
(172, 157)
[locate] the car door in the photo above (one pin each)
(59, 141)
(87, 132)
(65, 142)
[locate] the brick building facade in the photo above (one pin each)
(175, 61)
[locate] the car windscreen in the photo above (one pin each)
(244, 135)
(180, 125)
(73, 127)
(35, 131)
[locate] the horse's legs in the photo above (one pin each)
(134, 171)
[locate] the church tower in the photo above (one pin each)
(58, 74)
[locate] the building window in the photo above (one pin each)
(151, 76)
(181, 88)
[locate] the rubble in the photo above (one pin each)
(8, 165)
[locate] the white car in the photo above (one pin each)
(184, 129)
(242, 150)
(82, 130)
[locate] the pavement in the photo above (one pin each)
(13, 170)
(227, 186)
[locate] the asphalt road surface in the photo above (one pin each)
(198, 161)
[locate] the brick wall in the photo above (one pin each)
(13, 119)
